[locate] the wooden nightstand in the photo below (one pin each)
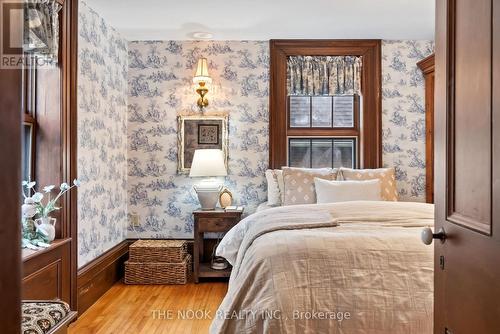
(217, 220)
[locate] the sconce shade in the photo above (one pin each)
(208, 163)
(201, 74)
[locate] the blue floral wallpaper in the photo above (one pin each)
(403, 119)
(130, 94)
(160, 88)
(102, 135)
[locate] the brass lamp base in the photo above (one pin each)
(202, 102)
(202, 91)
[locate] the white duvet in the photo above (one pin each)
(363, 258)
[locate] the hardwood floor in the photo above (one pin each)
(152, 309)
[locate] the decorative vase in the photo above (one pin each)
(46, 227)
(28, 209)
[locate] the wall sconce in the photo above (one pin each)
(201, 77)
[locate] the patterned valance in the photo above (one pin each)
(324, 75)
(41, 28)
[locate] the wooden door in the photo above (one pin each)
(467, 166)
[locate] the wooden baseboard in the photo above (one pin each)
(96, 277)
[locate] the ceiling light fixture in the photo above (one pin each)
(202, 35)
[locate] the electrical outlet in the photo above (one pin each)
(134, 219)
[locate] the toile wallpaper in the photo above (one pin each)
(160, 76)
(403, 119)
(130, 94)
(160, 88)
(102, 136)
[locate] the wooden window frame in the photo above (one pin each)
(369, 140)
(30, 120)
(29, 112)
(56, 137)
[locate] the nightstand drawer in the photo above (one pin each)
(215, 224)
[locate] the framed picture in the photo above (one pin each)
(200, 132)
(208, 134)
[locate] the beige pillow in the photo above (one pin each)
(298, 184)
(281, 185)
(387, 177)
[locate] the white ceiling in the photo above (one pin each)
(269, 19)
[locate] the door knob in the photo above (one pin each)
(427, 235)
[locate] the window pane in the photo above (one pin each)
(322, 111)
(321, 150)
(299, 153)
(27, 151)
(343, 153)
(300, 109)
(343, 111)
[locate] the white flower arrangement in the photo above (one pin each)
(41, 231)
(34, 199)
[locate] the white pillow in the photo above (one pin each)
(275, 193)
(345, 191)
(387, 177)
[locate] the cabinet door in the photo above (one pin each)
(46, 275)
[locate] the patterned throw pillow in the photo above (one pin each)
(41, 317)
(387, 177)
(299, 184)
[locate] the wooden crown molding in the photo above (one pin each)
(427, 64)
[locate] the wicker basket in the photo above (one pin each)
(169, 251)
(158, 272)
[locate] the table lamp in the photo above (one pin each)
(208, 163)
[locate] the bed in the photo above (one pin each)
(264, 206)
(351, 267)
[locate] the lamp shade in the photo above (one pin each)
(201, 74)
(208, 162)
